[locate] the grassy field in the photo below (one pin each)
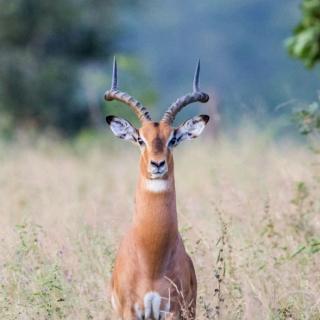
(248, 211)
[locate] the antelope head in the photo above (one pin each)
(156, 140)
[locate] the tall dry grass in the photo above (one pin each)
(248, 212)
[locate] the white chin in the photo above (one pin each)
(156, 185)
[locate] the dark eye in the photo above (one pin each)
(140, 141)
(172, 142)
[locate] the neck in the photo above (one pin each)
(156, 201)
(155, 220)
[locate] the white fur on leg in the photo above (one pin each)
(114, 301)
(152, 301)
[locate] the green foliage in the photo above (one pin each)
(305, 205)
(311, 247)
(31, 278)
(305, 43)
(46, 48)
(301, 195)
(308, 121)
(42, 286)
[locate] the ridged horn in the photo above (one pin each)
(195, 96)
(115, 94)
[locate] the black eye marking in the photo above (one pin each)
(172, 142)
(140, 141)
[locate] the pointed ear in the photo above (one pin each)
(190, 129)
(122, 129)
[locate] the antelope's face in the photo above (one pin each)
(156, 158)
(156, 141)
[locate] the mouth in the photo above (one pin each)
(157, 175)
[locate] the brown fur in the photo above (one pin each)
(152, 256)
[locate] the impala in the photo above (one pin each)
(153, 276)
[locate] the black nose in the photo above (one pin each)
(158, 164)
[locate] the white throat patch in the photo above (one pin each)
(156, 185)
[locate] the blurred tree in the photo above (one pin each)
(46, 49)
(305, 43)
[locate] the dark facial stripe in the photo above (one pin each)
(157, 145)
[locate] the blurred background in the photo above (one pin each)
(55, 60)
(249, 189)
